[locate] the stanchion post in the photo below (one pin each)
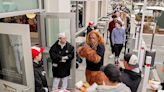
(146, 74)
(141, 59)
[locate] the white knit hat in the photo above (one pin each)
(62, 34)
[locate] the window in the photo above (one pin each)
(11, 59)
(54, 26)
(17, 5)
(81, 12)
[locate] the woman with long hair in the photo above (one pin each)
(93, 51)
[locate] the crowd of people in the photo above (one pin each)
(23, 19)
(109, 78)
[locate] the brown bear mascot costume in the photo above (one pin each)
(93, 51)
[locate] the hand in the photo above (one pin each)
(46, 89)
(86, 45)
(65, 58)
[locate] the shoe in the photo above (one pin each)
(111, 56)
(116, 61)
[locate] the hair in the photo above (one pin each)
(112, 72)
(123, 16)
(114, 16)
(99, 36)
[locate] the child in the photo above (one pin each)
(39, 73)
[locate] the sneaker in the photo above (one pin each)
(111, 56)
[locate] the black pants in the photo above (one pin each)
(111, 44)
(117, 49)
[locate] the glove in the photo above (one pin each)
(46, 89)
(65, 58)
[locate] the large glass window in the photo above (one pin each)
(54, 26)
(81, 14)
(17, 5)
(11, 59)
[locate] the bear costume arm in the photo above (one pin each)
(89, 54)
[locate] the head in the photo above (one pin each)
(91, 23)
(118, 24)
(37, 53)
(62, 38)
(114, 17)
(130, 61)
(112, 72)
(94, 38)
(117, 13)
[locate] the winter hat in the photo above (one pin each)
(36, 50)
(91, 23)
(114, 16)
(62, 34)
(132, 60)
(112, 72)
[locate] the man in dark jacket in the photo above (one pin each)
(110, 29)
(61, 53)
(131, 75)
(39, 73)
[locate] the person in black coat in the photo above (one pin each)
(39, 73)
(61, 53)
(131, 75)
(90, 27)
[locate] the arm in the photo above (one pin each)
(124, 35)
(38, 82)
(89, 54)
(71, 54)
(109, 26)
(54, 54)
(113, 32)
(101, 50)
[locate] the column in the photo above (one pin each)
(104, 8)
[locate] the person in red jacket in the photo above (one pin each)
(110, 28)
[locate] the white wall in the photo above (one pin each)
(104, 8)
(91, 11)
(57, 5)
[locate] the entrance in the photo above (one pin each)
(15, 58)
(51, 25)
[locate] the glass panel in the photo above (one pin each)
(81, 12)
(11, 59)
(99, 8)
(17, 5)
(54, 26)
